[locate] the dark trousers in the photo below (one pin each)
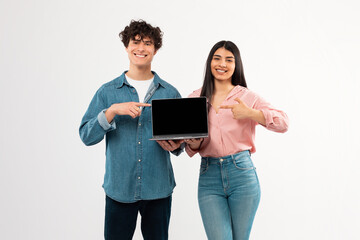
(120, 219)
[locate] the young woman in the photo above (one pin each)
(229, 191)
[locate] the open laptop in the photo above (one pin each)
(179, 118)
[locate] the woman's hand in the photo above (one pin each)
(242, 111)
(194, 143)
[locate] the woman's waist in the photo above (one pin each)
(227, 158)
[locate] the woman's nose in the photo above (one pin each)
(223, 64)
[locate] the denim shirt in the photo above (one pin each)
(136, 168)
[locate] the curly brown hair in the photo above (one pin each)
(143, 29)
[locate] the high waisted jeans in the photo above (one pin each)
(229, 195)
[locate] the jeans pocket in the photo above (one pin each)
(203, 167)
(243, 163)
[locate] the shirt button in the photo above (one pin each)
(139, 142)
(139, 177)
(139, 124)
(139, 160)
(221, 160)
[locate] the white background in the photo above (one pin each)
(301, 56)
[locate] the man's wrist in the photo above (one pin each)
(109, 113)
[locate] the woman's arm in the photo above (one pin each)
(263, 113)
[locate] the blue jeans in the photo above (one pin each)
(229, 195)
(120, 219)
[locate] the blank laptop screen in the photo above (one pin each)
(179, 116)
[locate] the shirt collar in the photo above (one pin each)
(234, 91)
(122, 80)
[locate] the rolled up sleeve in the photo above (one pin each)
(276, 120)
(93, 127)
(104, 122)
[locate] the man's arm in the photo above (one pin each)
(128, 108)
(92, 128)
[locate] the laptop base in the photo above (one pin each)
(172, 137)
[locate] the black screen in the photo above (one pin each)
(179, 116)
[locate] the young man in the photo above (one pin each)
(139, 175)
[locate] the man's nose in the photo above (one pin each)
(141, 46)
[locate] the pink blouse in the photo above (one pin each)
(227, 135)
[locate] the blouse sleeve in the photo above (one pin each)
(276, 120)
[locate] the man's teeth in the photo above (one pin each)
(138, 55)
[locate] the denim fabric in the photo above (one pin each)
(229, 195)
(136, 168)
(120, 219)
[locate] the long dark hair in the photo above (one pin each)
(238, 78)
